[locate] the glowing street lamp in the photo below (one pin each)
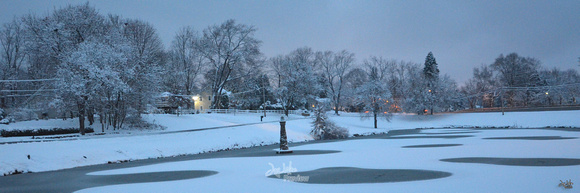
(194, 98)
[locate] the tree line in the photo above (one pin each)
(85, 64)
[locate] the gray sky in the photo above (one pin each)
(461, 34)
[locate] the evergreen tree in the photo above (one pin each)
(324, 128)
(431, 71)
(431, 75)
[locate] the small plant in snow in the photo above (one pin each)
(324, 128)
(568, 184)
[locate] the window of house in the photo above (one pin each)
(209, 98)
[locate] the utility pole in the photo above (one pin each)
(263, 97)
(501, 99)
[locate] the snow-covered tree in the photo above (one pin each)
(483, 83)
(324, 128)
(448, 98)
(431, 74)
(252, 92)
(561, 87)
(296, 79)
(89, 78)
(144, 63)
(431, 71)
(104, 65)
(374, 94)
(54, 41)
(354, 79)
(417, 92)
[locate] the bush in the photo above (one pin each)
(40, 132)
(324, 128)
(136, 122)
(22, 115)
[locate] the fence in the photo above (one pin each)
(235, 111)
(522, 109)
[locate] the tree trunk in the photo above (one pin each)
(82, 106)
(102, 120)
(91, 116)
(337, 103)
(375, 115)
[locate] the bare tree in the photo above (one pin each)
(296, 80)
(12, 56)
(12, 44)
(145, 62)
(335, 66)
(517, 71)
(375, 94)
(186, 63)
(227, 48)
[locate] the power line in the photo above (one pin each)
(35, 80)
(45, 90)
(24, 95)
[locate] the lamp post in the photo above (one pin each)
(283, 138)
(501, 100)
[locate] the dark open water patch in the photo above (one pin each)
(294, 152)
(533, 138)
(452, 132)
(150, 177)
(431, 145)
(517, 161)
(351, 175)
(430, 137)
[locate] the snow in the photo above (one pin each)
(369, 153)
(248, 174)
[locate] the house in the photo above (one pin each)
(170, 103)
(202, 101)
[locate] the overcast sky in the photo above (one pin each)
(461, 34)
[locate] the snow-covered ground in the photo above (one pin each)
(248, 174)
(371, 153)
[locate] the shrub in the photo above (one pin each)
(324, 128)
(136, 122)
(40, 132)
(22, 114)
